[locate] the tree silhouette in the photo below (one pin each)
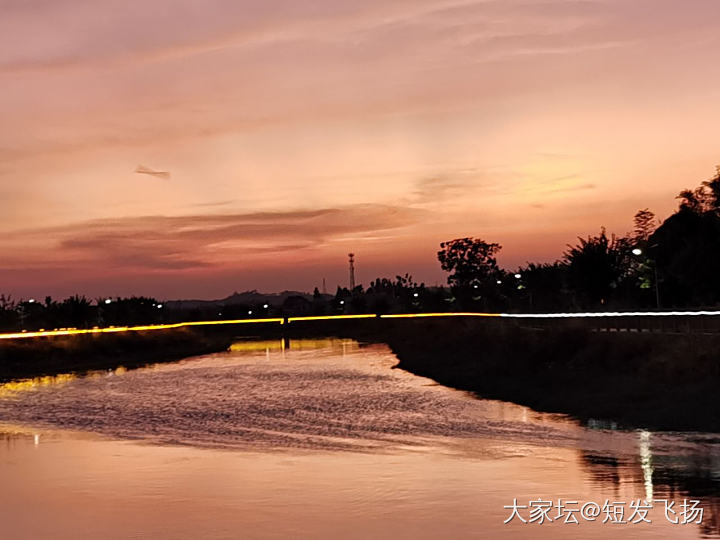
(470, 261)
(645, 224)
(597, 265)
(544, 287)
(474, 271)
(686, 249)
(703, 199)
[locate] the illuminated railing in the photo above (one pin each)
(331, 317)
(591, 315)
(143, 328)
(288, 320)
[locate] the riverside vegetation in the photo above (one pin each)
(27, 358)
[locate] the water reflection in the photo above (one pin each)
(10, 438)
(679, 470)
(316, 438)
(646, 464)
(12, 387)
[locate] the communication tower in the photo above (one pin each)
(351, 257)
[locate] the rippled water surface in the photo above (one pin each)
(317, 439)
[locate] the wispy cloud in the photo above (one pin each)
(142, 169)
(448, 187)
(558, 185)
(213, 204)
(204, 240)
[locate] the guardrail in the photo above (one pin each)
(612, 320)
(143, 328)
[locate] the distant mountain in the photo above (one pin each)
(243, 298)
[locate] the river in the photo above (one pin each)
(324, 439)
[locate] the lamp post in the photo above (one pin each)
(657, 286)
(638, 252)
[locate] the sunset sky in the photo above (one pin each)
(295, 132)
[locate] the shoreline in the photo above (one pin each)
(660, 382)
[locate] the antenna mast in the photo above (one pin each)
(351, 257)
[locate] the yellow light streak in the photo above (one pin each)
(330, 317)
(236, 321)
(142, 328)
(116, 329)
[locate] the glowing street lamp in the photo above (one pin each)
(638, 252)
(517, 276)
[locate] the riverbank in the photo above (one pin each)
(27, 358)
(655, 381)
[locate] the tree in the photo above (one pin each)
(342, 299)
(686, 251)
(703, 199)
(597, 265)
(470, 261)
(77, 311)
(642, 268)
(402, 293)
(686, 248)
(645, 224)
(474, 272)
(542, 286)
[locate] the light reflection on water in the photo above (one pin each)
(314, 439)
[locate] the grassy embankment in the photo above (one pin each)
(660, 381)
(32, 357)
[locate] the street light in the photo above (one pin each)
(517, 276)
(638, 252)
